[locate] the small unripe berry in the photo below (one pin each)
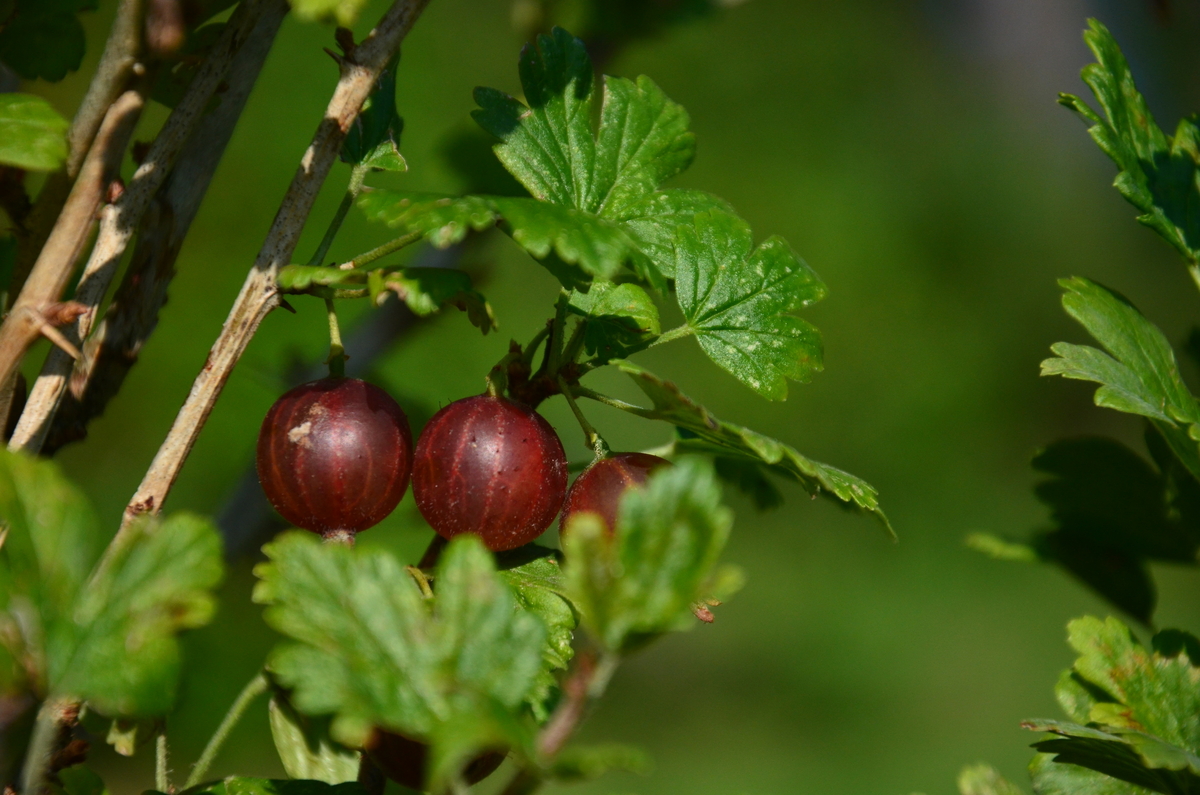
(600, 487)
(489, 466)
(335, 455)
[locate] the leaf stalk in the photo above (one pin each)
(253, 689)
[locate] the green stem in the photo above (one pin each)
(255, 688)
(41, 747)
(531, 348)
(575, 343)
(594, 439)
(337, 354)
(162, 776)
(583, 391)
(670, 336)
(382, 251)
(555, 345)
(357, 175)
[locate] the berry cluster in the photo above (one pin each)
(335, 457)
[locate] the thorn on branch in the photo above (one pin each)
(345, 41)
(62, 313)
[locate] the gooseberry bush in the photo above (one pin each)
(495, 644)
(1132, 707)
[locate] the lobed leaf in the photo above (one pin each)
(642, 580)
(368, 649)
(117, 650)
(1113, 513)
(33, 135)
(738, 302)
(1141, 376)
(1159, 175)
(701, 432)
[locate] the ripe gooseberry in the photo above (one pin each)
(489, 466)
(334, 455)
(600, 487)
(404, 760)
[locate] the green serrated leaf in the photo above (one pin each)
(343, 12)
(368, 649)
(118, 649)
(305, 747)
(643, 580)
(704, 433)
(620, 317)
(738, 301)
(535, 577)
(235, 785)
(1052, 778)
(983, 779)
(750, 479)
(32, 134)
(373, 138)
(1159, 175)
(1140, 377)
(43, 40)
(456, 742)
(652, 221)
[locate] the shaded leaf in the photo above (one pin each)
(373, 138)
(1054, 778)
(1140, 376)
(537, 582)
(750, 479)
(305, 747)
(368, 649)
(619, 317)
(1159, 175)
(32, 134)
(702, 432)
(44, 39)
(642, 581)
(738, 301)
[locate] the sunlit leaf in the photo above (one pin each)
(32, 134)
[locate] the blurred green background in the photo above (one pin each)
(912, 152)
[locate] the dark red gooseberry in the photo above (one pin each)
(335, 455)
(488, 466)
(403, 760)
(600, 487)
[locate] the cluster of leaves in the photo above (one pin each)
(593, 159)
(42, 38)
(470, 665)
(1134, 712)
(1113, 511)
(76, 628)
(1135, 715)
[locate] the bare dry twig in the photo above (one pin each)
(132, 315)
(359, 72)
(25, 323)
(121, 219)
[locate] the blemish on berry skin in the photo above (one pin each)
(299, 435)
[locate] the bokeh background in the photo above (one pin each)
(913, 153)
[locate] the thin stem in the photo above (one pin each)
(670, 336)
(421, 580)
(357, 175)
(255, 688)
(41, 747)
(583, 391)
(162, 775)
(593, 438)
(555, 345)
(531, 348)
(380, 251)
(337, 354)
(575, 343)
